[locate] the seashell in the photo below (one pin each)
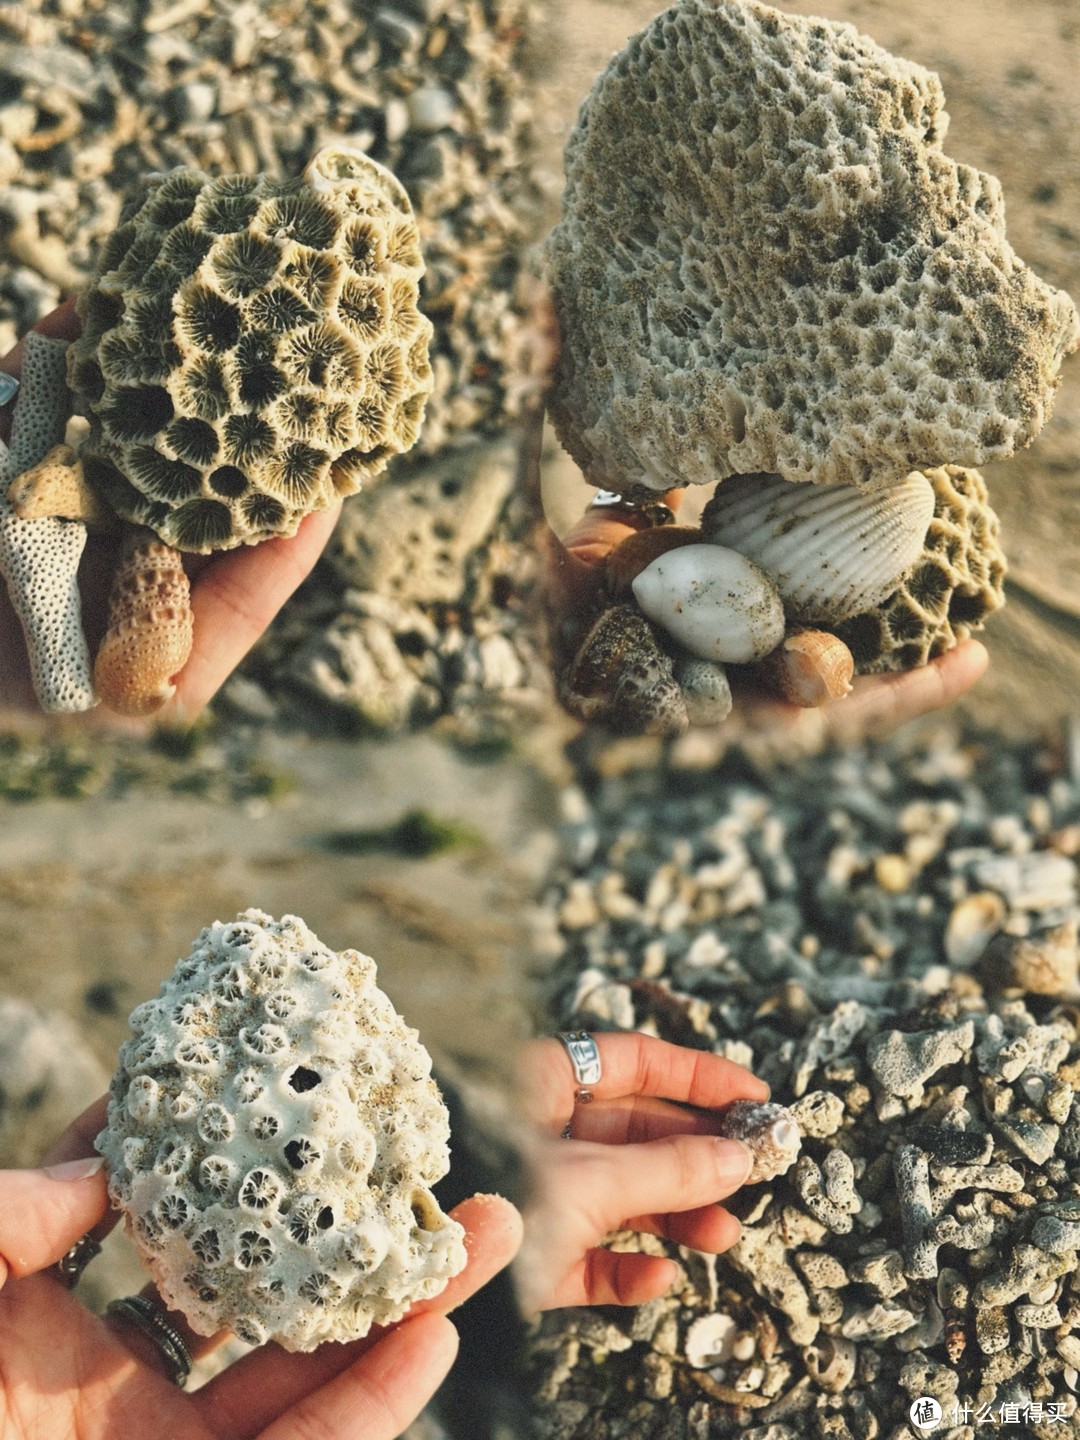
(622, 677)
(150, 628)
(709, 1341)
(831, 1362)
(1046, 964)
(771, 1132)
(716, 603)
(832, 550)
(974, 922)
(808, 668)
(705, 690)
(629, 558)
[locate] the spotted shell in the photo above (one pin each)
(622, 677)
(150, 628)
(771, 1132)
(832, 550)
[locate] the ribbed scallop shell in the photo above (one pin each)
(832, 550)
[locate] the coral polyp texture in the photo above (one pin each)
(766, 263)
(252, 349)
(273, 1135)
(957, 582)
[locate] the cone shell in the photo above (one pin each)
(150, 629)
(715, 603)
(809, 667)
(832, 550)
(622, 677)
(771, 1132)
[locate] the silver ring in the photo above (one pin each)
(71, 1266)
(584, 1057)
(9, 387)
(605, 498)
(148, 1318)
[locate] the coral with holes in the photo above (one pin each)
(252, 349)
(957, 582)
(767, 263)
(273, 1135)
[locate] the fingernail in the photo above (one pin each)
(733, 1161)
(76, 1169)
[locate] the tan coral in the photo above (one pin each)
(150, 628)
(767, 263)
(956, 583)
(808, 668)
(56, 486)
(252, 349)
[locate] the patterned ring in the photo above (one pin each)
(148, 1318)
(71, 1266)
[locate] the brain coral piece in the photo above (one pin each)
(273, 1134)
(955, 584)
(766, 263)
(252, 349)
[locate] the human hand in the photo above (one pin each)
(234, 594)
(644, 1155)
(68, 1372)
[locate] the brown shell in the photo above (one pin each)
(639, 550)
(808, 668)
(150, 629)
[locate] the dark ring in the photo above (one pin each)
(148, 1318)
(71, 1266)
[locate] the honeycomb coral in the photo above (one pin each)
(955, 584)
(252, 349)
(273, 1134)
(767, 264)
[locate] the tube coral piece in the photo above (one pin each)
(150, 630)
(39, 558)
(808, 668)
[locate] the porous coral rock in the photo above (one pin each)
(273, 1134)
(39, 558)
(252, 348)
(766, 263)
(947, 595)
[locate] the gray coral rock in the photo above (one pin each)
(767, 263)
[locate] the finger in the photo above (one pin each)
(43, 1212)
(248, 1395)
(710, 1228)
(638, 1119)
(610, 1277)
(233, 601)
(60, 324)
(76, 1143)
(380, 1393)
(634, 1064)
(881, 702)
(681, 1172)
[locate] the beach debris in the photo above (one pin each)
(40, 558)
(150, 628)
(273, 1133)
(716, 603)
(953, 586)
(827, 296)
(770, 1131)
(927, 1239)
(252, 349)
(831, 550)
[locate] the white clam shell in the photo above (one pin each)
(709, 1341)
(717, 604)
(832, 550)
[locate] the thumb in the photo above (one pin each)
(43, 1213)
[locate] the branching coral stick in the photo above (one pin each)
(40, 558)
